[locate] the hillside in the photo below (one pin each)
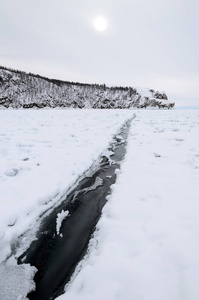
(25, 90)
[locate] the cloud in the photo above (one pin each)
(148, 43)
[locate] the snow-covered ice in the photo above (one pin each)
(146, 245)
(42, 154)
(147, 241)
(16, 280)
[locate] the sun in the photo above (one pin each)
(100, 23)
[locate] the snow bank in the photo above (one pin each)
(42, 154)
(146, 244)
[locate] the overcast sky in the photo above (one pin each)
(148, 43)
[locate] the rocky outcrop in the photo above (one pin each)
(25, 90)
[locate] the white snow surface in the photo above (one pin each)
(146, 245)
(42, 154)
(16, 281)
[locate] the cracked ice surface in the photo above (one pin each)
(147, 241)
(42, 154)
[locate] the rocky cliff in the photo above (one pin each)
(25, 90)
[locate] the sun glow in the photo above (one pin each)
(100, 23)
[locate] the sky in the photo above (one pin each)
(151, 44)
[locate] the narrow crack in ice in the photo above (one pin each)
(98, 182)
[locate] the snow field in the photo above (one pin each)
(42, 154)
(147, 241)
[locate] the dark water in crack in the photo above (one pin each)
(56, 256)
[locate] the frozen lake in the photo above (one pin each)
(146, 245)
